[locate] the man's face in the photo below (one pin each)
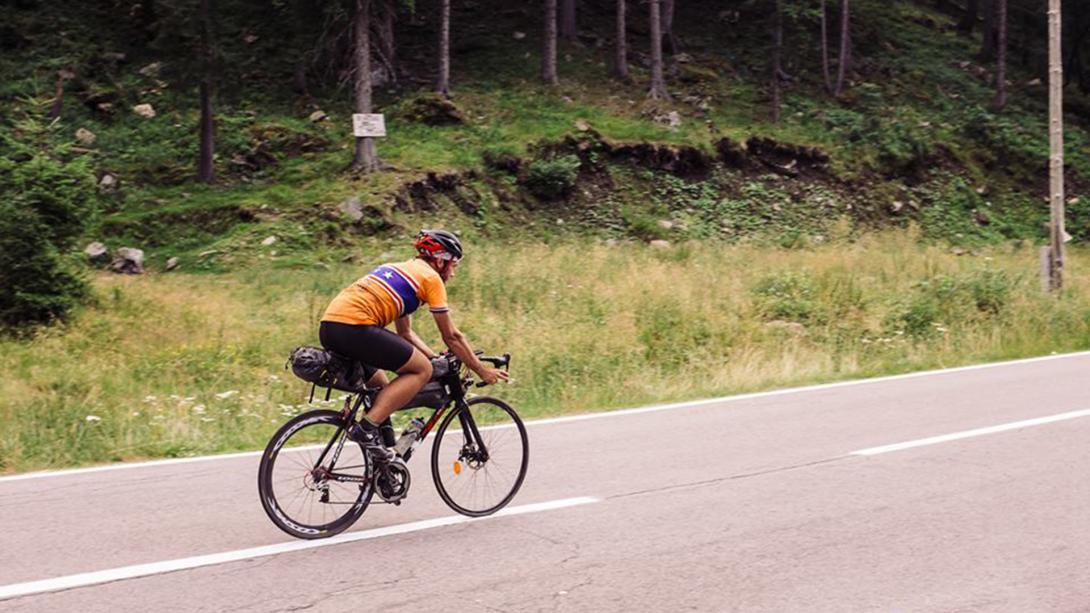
(447, 269)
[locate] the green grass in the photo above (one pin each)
(175, 364)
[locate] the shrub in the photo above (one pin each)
(552, 179)
(788, 295)
(44, 205)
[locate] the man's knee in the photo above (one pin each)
(417, 365)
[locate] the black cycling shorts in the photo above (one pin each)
(371, 345)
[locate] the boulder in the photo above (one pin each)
(97, 253)
(128, 261)
(318, 115)
(659, 244)
(666, 224)
(352, 208)
(151, 70)
(144, 110)
(108, 183)
(85, 137)
(518, 35)
(172, 263)
(269, 241)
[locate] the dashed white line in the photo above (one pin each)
(943, 438)
(156, 568)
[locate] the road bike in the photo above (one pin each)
(317, 477)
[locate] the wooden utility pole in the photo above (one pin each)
(1056, 146)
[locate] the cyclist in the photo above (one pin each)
(354, 325)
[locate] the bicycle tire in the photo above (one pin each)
(333, 426)
(452, 493)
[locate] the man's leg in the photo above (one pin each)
(410, 378)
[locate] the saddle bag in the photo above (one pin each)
(326, 369)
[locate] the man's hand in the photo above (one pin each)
(492, 375)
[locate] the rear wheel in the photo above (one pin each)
(479, 457)
(314, 480)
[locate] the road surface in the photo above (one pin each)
(961, 490)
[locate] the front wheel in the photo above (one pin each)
(478, 466)
(314, 481)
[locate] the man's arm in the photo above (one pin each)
(459, 344)
(405, 331)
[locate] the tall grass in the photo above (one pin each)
(177, 364)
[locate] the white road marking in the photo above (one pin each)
(933, 440)
(156, 568)
(586, 416)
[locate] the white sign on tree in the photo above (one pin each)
(368, 125)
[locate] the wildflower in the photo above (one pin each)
(226, 395)
(92, 418)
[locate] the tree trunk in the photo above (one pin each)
(620, 63)
(825, 50)
(845, 46)
(1001, 53)
(387, 43)
(988, 35)
(968, 20)
(568, 27)
(669, 42)
(777, 49)
(205, 170)
(63, 76)
(1056, 146)
(658, 81)
(443, 85)
(365, 158)
(548, 56)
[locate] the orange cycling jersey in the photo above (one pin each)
(387, 293)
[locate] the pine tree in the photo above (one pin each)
(443, 85)
(548, 56)
(365, 158)
(658, 81)
(620, 63)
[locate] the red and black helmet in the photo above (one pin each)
(438, 244)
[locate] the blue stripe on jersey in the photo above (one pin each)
(401, 285)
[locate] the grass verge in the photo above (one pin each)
(168, 365)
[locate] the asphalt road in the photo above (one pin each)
(758, 503)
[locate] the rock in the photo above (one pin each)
(97, 253)
(352, 208)
(172, 263)
(108, 183)
(151, 70)
(269, 240)
(683, 58)
(317, 116)
(1033, 82)
(671, 119)
(896, 206)
(659, 244)
(114, 57)
(666, 224)
(980, 217)
(433, 110)
(85, 137)
(582, 125)
(249, 39)
(983, 189)
(519, 35)
(567, 99)
(1073, 201)
(128, 261)
(559, 221)
(611, 242)
(144, 110)
(958, 251)
(691, 73)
